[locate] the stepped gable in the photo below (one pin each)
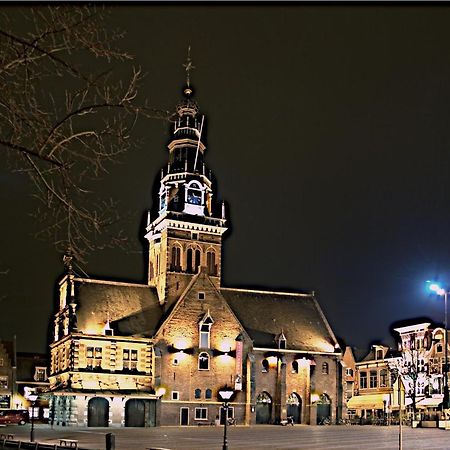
(265, 315)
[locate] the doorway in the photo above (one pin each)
(294, 407)
(140, 413)
(98, 412)
(184, 416)
(263, 408)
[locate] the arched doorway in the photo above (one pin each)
(323, 409)
(294, 407)
(98, 412)
(263, 408)
(140, 413)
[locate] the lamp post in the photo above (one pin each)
(443, 293)
(32, 398)
(225, 395)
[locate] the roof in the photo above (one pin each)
(265, 315)
(133, 308)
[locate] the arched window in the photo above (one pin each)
(205, 330)
(211, 262)
(265, 365)
(197, 260)
(208, 394)
(162, 200)
(295, 367)
(325, 368)
(189, 260)
(198, 393)
(203, 361)
(176, 259)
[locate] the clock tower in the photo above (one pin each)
(186, 237)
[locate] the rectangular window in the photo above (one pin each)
(130, 358)
(3, 382)
(373, 378)
(94, 357)
(2, 362)
(201, 413)
(363, 380)
(175, 395)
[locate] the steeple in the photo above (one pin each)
(187, 234)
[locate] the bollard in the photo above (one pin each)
(110, 441)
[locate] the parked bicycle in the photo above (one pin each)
(325, 421)
(288, 421)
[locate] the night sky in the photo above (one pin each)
(328, 131)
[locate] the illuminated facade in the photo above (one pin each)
(157, 353)
(375, 392)
(422, 367)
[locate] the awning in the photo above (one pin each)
(369, 401)
(429, 402)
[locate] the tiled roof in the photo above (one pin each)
(265, 315)
(134, 308)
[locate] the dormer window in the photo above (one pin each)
(379, 354)
(205, 331)
(40, 374)
(282, 341)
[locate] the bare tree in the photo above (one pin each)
(64, 114)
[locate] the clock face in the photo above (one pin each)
(194, 195)
(194, 198)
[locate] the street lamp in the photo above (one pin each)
(32, 398)
(434, 287)
(225, 395)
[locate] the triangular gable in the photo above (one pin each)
(186, 292)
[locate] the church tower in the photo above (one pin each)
(185, 238)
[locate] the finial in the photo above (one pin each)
(223, 210)
(67, 261)
(149, 220)
(188, 67)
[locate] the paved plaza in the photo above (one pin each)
(250, 438)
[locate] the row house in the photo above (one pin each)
(374, 388)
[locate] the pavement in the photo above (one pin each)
(272, 437)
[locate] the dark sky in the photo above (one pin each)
(328, 131)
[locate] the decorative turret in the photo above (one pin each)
(186, 235)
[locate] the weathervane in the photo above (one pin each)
(188, 66)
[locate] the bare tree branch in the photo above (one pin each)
(65, 52)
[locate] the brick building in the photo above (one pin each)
(157, 353)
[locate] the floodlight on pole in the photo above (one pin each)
(437, 289)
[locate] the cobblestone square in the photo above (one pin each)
(250, 438)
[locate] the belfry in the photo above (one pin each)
(158, 352)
